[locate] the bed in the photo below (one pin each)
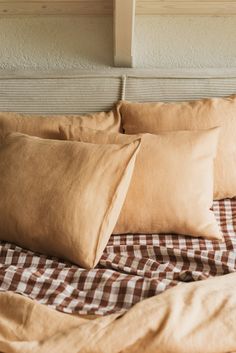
(133, 267)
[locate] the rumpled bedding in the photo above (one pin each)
(132, 268)
(189, 318)
(127, 293)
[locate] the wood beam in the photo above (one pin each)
(189, 7)
(105, 7)
(124, 18)
(56, 7)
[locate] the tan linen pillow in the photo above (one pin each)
(47, 126)
(171, 189)
(62, 198)
(195, 115)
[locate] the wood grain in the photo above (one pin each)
(53, 7)
(190, 7)
(105, 7)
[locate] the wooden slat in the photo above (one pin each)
(124, 17)
(53, 7)
(30, 1)
(191, 7)
(105, 7)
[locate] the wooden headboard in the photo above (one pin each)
(84, 92)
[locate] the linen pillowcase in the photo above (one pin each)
(48, 126)
(195, 115)
(62, 198)
(171, 189)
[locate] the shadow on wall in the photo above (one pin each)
(48, 43)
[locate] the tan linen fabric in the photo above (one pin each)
(62, 198)
(172, 185)
(47, 126)
(195, 115)
(190, 318)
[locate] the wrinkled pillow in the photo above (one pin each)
(195, 115)
(171, 189)
(48, 126)
(62, 198)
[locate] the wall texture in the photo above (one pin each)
(46, 43)
(186, 42)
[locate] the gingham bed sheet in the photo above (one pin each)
(132, 268)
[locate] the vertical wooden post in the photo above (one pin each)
(124, 18)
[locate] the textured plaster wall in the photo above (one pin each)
(47, 43)
(185, 42)
(56, 42)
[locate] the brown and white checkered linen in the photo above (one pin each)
(133, 267)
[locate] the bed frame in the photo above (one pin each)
(84, 92)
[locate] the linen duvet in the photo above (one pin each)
(192, 317)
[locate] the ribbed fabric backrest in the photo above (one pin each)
(59, 95)
(177, 89)
(87, 93)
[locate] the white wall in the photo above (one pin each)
(185, 42)
(47, 43)
(56, 42)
